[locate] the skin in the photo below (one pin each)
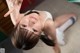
(34, 22)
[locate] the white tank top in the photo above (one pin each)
(48, 16)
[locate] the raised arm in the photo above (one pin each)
(13, 12)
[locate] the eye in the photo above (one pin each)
(24, 25)
(35, 30)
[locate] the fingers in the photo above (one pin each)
(11, 10)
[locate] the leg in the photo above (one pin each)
(59, 21)
(62, 23)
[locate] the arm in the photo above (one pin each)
(56, 48)
(50, 30)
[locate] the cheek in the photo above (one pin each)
(24, 21)
(38, 26)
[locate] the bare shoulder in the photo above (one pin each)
(49, 26)
(49, 23)
(50, 29)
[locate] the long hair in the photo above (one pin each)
(23, 38)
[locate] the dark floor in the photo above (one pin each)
(9, 48)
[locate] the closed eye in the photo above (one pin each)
(35, 30)
(23, 25)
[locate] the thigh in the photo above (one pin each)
(62, 19)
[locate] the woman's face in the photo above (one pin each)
(32, 23)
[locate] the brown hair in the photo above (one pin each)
(21, 38)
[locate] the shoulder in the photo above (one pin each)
(50, 29)
(49, 24)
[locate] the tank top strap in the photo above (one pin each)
(48, 17)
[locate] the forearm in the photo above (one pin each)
(57, 49)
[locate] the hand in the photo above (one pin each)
(57, 48)
(15, 8)
(11, 10)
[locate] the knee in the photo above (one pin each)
(73, 15)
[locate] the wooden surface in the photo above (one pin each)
(6, 25)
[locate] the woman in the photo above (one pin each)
(30, 25)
